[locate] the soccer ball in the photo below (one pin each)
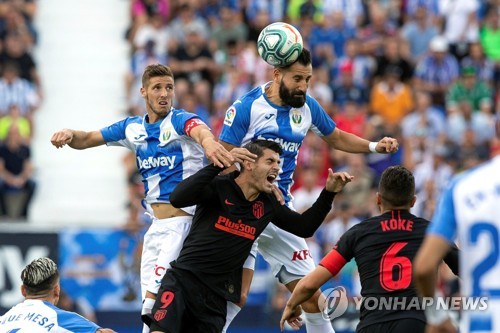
(279, 44)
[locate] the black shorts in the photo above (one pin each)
(183, 304)
(405, 325)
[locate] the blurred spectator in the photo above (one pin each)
(421, 129)
(16, 52)
(391, 98)
(344, 89)
(255, 26)
(14, 118)
(352, 119)
(320, 89)
(230, 28)
(18, 91)
(374, 33)
(190, 103)
(153, 30)
(16, 171)
(436, 71)
(490, 39)
(193, 66)
(275, 8)
(361, 66)
(302, 8)
(435, 168)
(469, 88)
(310, 188)
(352, 10)
(327, 39)
(418, 32)
(465, 118)
(359, 195)
(484, 67)
(460, 24)
(430, 8)
(187, 20)
(392, 57)
(334, 229)
(426, 200)
(13, 22)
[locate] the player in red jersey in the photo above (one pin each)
(384, 247)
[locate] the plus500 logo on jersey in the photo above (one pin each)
(151, 162)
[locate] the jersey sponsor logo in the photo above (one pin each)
(230, 114)
(227, 202)
(296, 116)
(399, 224)
(301, 255)
(150, 162)
(235, 228)
(258, 209)
(291, 147)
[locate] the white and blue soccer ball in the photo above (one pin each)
(280, 44)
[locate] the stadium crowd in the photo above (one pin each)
(424, 71)
(20, 96)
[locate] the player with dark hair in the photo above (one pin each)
(282, 111)
(232, 211)
(169, 145)
(38, 312)
(383, 247)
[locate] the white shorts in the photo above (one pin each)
(162, 244)
(287, 254)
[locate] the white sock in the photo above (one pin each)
(232, 311)
(147, 308)
(315, 323)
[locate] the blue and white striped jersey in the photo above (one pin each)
(253, 117)
(469, 210)
(37, 316)
(165, 154)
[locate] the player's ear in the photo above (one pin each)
(23, 290)
(143, 92)
(379, 198)
(277, 74)
(413, 201)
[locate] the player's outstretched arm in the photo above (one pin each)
(215, 152)
(77, 139)
(351, 143)
(304, 290)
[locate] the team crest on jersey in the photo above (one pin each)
(160, 314)
(230, 114)
(258, 209)
(296, 117)
(166, 134)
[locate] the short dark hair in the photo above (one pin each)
(40, 276)
(257, 147)
(303, 59)
(155, 70)
(397, 186)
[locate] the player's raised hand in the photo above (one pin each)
(336, 181)
(387, 145)
(216, 153)
(292, 317)
(243, 154)
(61, 138)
